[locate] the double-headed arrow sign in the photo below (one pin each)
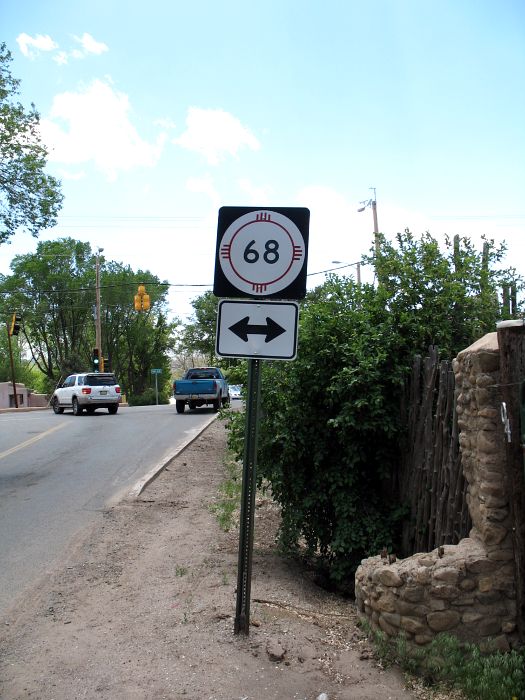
(270, 329)
(264, 330)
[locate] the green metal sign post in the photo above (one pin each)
(249, 485)
(156, 371)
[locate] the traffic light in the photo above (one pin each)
(96, 360)
(106, 364)
(141, 299)
(15, 325)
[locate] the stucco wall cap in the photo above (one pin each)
(488, 343)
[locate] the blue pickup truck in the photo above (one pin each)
(201, 386)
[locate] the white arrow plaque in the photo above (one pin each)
(265, 330)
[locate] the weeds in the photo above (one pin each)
(227, 505)
(446, 661)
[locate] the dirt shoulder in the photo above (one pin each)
(143, 607)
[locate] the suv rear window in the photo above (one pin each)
(100, 380)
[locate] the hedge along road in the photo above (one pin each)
(59, 472)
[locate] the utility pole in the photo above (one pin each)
(98, 327)
(373, 204)
(15, 397)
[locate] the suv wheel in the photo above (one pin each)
(56, 406)
(112, 410)
(77, 410)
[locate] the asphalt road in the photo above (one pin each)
(58, 472)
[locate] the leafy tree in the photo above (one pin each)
(134, 342)
(54, 291)
(331, 427)
(24, 373)
(446, 297)
(29, 198)
(198, 336)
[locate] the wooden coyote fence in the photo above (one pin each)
(431, 481)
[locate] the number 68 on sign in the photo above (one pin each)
(261, 253)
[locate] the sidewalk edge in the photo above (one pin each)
(140, 485)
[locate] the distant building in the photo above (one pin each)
(26, 397)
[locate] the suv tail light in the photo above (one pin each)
(117, 389)
(86, 390)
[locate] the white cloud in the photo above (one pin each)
(68, 175)
(60, 57)
(90, 45)
(256, 195)
(214, 133)
(97, 129)
(31, 46)
(205, 185)
(165, 123)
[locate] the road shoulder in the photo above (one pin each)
(144, 606)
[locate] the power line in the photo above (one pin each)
(121, 285)
(180, 286)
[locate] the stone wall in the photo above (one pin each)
(466, 589)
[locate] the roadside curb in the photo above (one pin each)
(139, 487)
(24, 409)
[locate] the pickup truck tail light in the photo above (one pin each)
(214, 387)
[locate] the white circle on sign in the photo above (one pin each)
(262, 252)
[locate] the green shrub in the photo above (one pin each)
(331, 421)
(147, 398)
(446, 661)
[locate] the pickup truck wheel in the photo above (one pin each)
(226, 400)
(192, 405)
(179, 406)
(217, 404)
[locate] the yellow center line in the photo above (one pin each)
(31, 440)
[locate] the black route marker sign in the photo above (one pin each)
(261, 252)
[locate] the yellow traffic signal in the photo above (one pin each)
(141, 299)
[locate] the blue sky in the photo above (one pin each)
(158, 114)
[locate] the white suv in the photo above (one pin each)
(88, 391)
